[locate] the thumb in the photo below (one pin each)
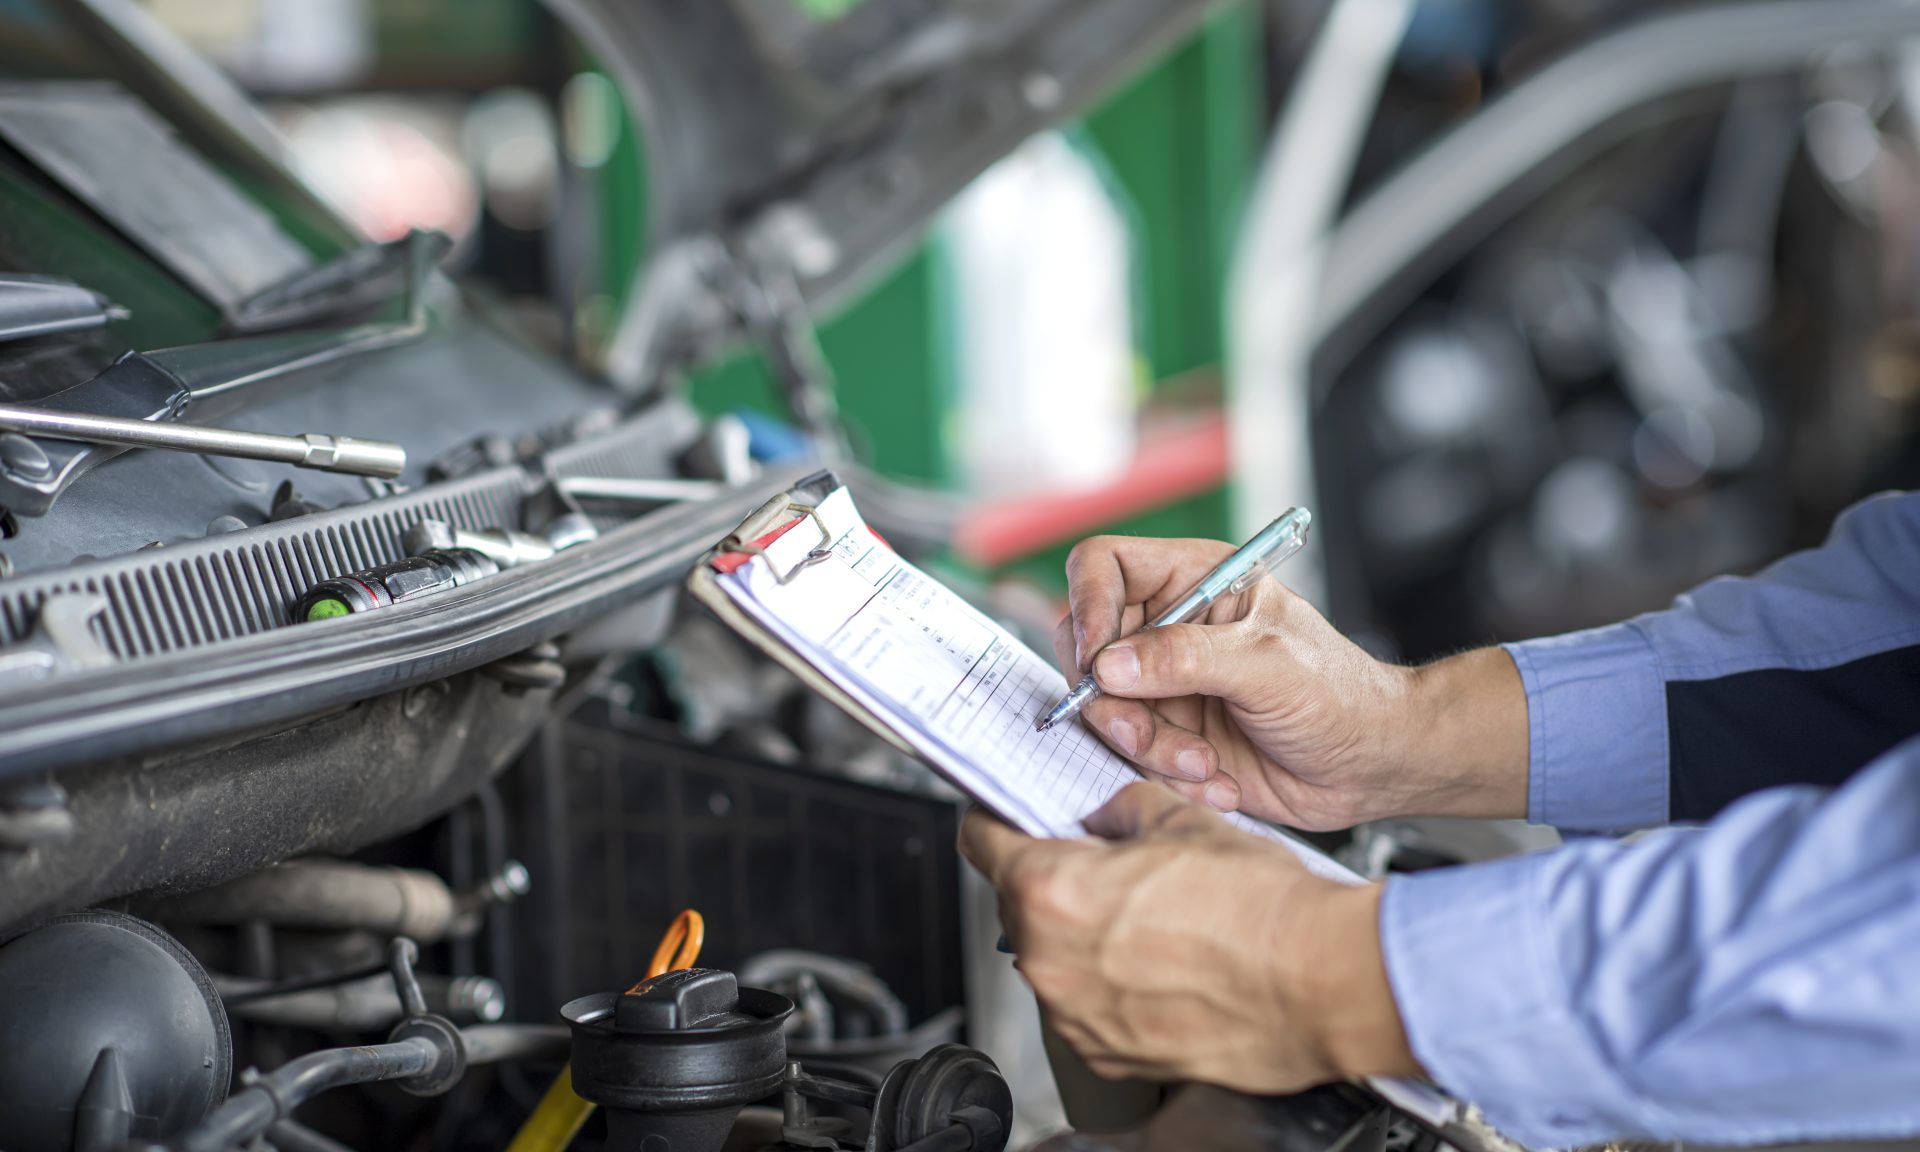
(1178, 660)
(1143, 808)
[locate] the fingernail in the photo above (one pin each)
(1192, 764)
(1117, 667)
(1223, 794)
(1121, 734)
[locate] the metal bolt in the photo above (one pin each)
(478, 996)
(793, 1105)
(512, 883)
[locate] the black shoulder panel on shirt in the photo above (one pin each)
(1738, 734)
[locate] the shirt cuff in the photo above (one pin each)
(1596, 730)
(1487, 1012)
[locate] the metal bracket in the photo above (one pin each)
(767, 303)
(62, 640)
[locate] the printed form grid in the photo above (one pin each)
(1065, 768)
(934, 661)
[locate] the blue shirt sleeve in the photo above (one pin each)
(1756, 981)
(1802, 674)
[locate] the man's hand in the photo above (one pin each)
(1180, 948)
(1264, 707)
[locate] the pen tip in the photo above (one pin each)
(1042, 724)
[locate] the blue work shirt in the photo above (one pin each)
(1755, 980)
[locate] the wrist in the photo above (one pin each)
(1464, 732)
(1335, 990)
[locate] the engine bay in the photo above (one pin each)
(368, 779)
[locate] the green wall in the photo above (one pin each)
(1183, 140)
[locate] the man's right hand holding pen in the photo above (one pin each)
(1262, 707)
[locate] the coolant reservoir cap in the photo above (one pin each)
(673, 1001)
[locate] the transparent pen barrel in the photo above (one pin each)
(1278, 542)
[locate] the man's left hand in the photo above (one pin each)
(1177, 947)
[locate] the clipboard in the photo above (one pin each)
(808, 508)
(793, 510)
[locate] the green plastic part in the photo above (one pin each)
(827, 10)
(328, 609)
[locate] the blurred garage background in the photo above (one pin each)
(1672, 344)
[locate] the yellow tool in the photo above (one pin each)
(557, 1118)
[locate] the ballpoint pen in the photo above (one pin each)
(1236, 574)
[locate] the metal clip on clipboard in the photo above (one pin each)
(770, 521)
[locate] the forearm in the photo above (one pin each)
(1464, 735)
(1332, 980)
(1749, 983)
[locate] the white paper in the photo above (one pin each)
(955, 685)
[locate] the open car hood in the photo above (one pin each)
(810, 149)
(783, 147)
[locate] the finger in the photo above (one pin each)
(1222, 793)
(990, 844)
(1153, 742)
(1143, 809)
(1064, 653)
(1115, 1068)
(1127, 726)
(1100, 1057)
(1175, 756)
(1105, 574)
(1179, 660)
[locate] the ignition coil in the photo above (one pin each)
(440, 570)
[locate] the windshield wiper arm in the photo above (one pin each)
(45, 306)
(368, 275)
